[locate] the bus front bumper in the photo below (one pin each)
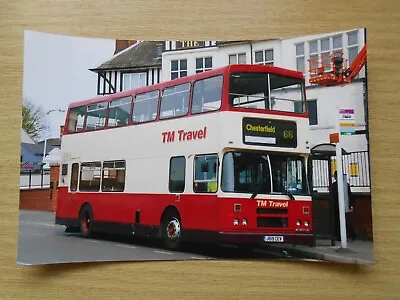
(266, 238)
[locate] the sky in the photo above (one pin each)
(56, 71)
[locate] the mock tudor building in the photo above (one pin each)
(134, 64)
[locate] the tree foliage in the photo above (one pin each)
(33, 119)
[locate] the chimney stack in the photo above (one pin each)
(122, 44)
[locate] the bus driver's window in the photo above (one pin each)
(205, 177)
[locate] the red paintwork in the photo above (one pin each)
(198, 211)
(192, 78)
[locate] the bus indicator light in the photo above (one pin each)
(237, 208)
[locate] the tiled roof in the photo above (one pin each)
(142, 55)
(37, 149)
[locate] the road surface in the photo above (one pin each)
(43, 242)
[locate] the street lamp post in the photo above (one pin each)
(45, 134)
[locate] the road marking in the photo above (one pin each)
(162, 252)
(23, 264)
(37, 223)
(93, 241)
(38, 234)
(195, 257)
(126, 246)
(27, 234)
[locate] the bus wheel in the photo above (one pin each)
(85, 221)
(171, 231)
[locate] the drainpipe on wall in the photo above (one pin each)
(251, 52)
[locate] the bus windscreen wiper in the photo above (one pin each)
(256, 191)
(289, 194)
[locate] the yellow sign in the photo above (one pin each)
(354, 169)
(333, 166)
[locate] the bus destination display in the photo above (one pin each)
(269, 132)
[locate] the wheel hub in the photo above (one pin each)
(173, 229)
(86, 223)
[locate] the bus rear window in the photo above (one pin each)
(76, 119)
(267, 91)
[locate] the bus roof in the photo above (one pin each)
(222, 70)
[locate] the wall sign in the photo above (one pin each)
(268, 132)
(189, 44)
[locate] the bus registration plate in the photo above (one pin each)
(273, 238)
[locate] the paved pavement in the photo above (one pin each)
(43, 242)
(357, 252)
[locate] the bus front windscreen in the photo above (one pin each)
(267, 91)
(263, 173)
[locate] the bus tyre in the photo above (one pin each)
(171, 231)
(85, 221)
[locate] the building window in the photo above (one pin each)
(175, 101)
(178, 68)
(203, 64)
(313, 52)
(239, 58)
(337, 44)
(207, 94)
(265, 57)
(132, 81)
(90, 176)
(320, 51)
(312, 112)
(113, 176)
(177, 167)
(300, 58)
(205, 174)
(145, 107)
(325, 51)
(352, 42)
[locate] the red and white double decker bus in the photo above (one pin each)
(219, 156)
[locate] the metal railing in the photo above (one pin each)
(34, 180)
(355, 166)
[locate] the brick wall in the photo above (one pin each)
(361, 219)
(36, 199)
(41, 199)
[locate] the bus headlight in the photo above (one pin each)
(298, 223)
(236, 222)
(306, 223)
(244, 222)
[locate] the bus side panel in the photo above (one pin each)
(67, 206)
(199, 212)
